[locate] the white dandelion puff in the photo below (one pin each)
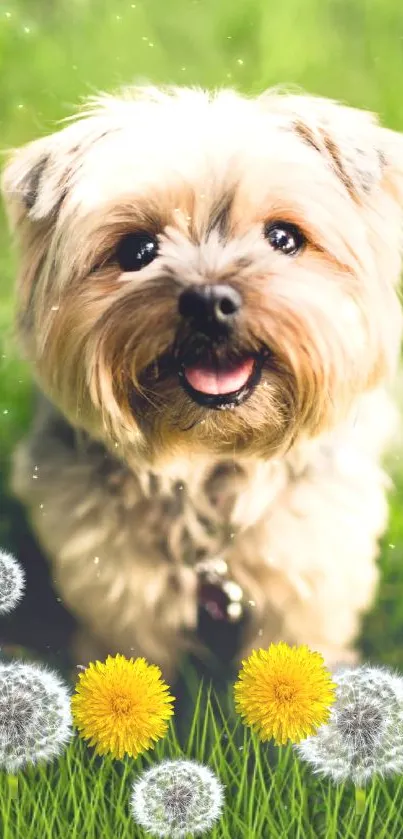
(364, 734)
(177, 797)
(35, 715)
(12, 582)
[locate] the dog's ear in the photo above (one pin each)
(358, 149)
(32, 182)
(37, 176)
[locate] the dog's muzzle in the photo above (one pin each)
(209, 372)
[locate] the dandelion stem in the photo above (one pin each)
(13, 785)
(359, 800)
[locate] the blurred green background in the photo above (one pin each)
(55, 52)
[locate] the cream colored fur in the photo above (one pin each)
(302, 504)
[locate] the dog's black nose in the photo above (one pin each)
(210, 305)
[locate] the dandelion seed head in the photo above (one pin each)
(12, 582)
(361, 724)
(17, 710)
(177, 800)
(177, 797)
(364, 734)
(35, 717)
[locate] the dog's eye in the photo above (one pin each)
(136, 250)
(284, 237)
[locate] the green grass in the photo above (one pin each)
(52, 53)
(269, 793)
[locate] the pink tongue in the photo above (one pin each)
(216, 380)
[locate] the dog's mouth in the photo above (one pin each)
(218, 382)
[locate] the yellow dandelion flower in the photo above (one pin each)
(284, 692)
(121, 706)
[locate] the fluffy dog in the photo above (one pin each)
(208, 297)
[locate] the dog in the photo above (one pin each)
(209, 299)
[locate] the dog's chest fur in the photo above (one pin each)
(191, 509)
(126, 545)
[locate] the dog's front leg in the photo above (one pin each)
(106, 560)
(310, 564)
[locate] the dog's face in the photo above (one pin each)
(209, 273)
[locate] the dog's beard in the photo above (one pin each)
(160, 389)
(201, 377)
(229, 395)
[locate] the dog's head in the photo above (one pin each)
(209, 272)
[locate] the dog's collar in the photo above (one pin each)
(220, 596)
(223, 613)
